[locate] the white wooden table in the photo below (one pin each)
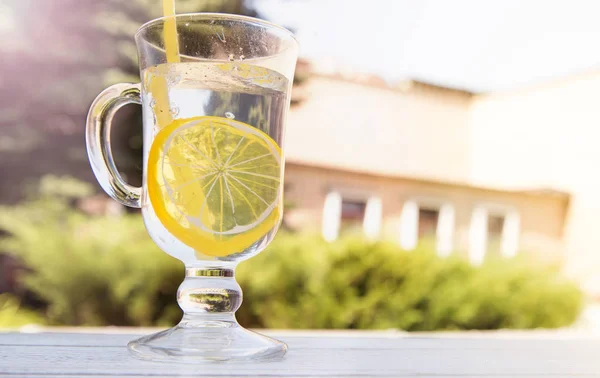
(102, 353)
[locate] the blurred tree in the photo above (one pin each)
(56, 57)
(51, 64)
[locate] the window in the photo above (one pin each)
(428, 222)
(351, 213)
(353, 216)
(494, 231)
(427, 219)
(495, 227)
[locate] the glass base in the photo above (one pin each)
(207, 341)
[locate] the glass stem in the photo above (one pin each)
(209, 297)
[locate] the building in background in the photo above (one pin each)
(484, 175)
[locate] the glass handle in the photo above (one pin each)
(99, 124)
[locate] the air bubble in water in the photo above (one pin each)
(173, 80)
(229, 115)
(152, 103)
(174, 110)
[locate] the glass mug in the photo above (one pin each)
(212, 192)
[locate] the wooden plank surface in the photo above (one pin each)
(102, 353)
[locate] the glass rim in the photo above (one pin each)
(220, 16)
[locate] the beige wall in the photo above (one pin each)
(357, 126)
(542, 215)
(547, 136)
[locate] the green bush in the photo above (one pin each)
(12, 315)
(304, 282)
(90, 270)
(105, 270)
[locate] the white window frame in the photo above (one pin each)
(478, 231)
(372, 219)
(332, 216)
(332, 213)
(409, 224)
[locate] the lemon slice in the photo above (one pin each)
(215, 183)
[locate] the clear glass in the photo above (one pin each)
(212, 192)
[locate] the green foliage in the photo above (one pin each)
(90, 270)
(100, 270)
(304, 282)
(12, 315)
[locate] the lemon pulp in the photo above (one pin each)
(214, 183)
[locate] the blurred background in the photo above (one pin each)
(439, 176)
